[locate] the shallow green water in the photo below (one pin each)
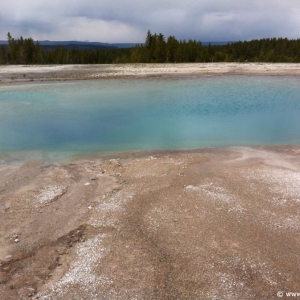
(136, 114)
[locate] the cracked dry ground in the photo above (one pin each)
(206, 224)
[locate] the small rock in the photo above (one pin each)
(89, 207)
(8, 257)
(87, 183)
(16, 240)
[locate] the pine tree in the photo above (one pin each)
(160, 49)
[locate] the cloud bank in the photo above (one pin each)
(129, 20)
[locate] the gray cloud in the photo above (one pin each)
(128, 21)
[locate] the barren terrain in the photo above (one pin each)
(202, 224)
(25, 73)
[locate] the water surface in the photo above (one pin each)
(136, 114)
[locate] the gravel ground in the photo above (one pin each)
(25, 73)
(203, 224)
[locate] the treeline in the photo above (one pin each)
(156, 49)
(27, 51)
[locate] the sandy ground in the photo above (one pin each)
(21, 73)
(202, 224)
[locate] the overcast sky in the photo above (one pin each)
(128, 20)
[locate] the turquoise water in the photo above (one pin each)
(136, 114)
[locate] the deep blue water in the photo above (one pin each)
(135, 114)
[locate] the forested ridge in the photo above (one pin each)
(156, 49)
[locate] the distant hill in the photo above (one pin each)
(50, 45)
(217, 43)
